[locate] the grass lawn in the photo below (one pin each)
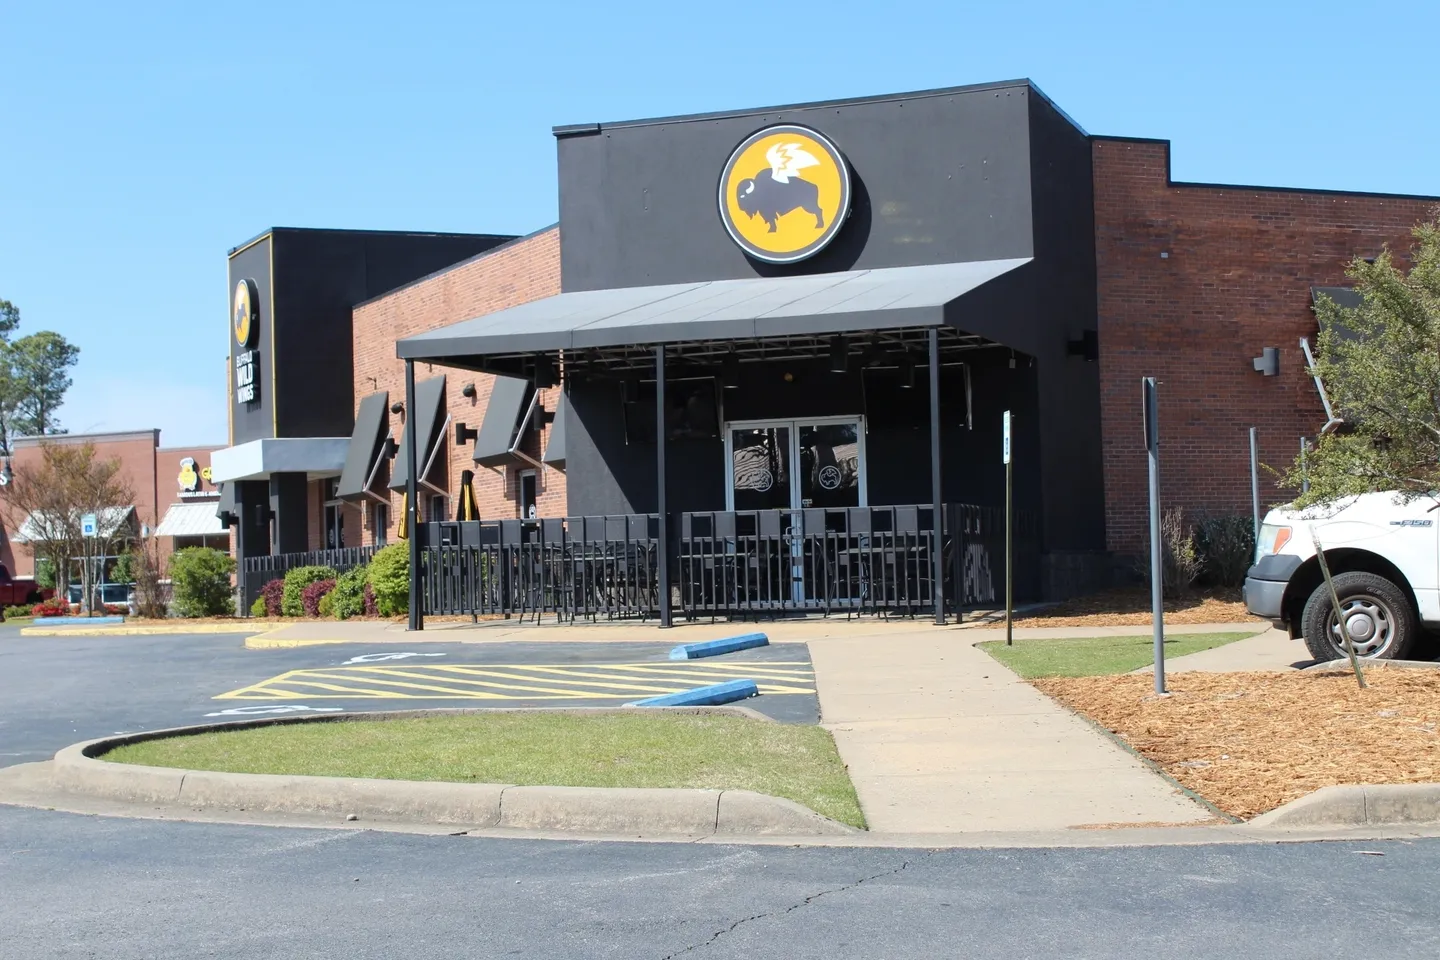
(637, 749)
(1097, 656)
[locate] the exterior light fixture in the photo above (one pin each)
(397, 407)
(907, 373)
(730, 371)
(468, 391)
(839, 355)
(1268, 362)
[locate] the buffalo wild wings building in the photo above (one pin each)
(761, 362)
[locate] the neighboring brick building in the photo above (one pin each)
(173, 504)
(1194, 281)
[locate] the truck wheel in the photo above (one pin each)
(1381, 621)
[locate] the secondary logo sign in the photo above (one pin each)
(784, 193)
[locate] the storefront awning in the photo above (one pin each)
(42, 525)
(191, 520)
(428, 416)
(506, 414)
(367, 447)
(554, 454)
(745, 309)
(258, 459)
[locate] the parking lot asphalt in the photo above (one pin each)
(55, 691)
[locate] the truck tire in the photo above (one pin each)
(1383, 624)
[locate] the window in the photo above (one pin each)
(380, 523)
(527, 495)
(334, 518)
(439, 508)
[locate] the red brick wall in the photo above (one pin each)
(1236, 279)
(518, 272)
(136, 453)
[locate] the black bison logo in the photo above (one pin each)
(772, 193)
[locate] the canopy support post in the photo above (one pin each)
(664, 551)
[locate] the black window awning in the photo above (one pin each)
(507, 416)
(368, 448)
(430, 421)
(745, 309)
(554, 455)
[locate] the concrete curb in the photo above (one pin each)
(135, 631)
(1358, 805)
(1343, 665)
(611, 811)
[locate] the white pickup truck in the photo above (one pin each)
(1384, 555)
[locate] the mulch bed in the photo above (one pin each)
(1249, 742)
(1131, 608)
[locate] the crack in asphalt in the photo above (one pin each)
(795, 906)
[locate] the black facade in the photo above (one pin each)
(973, 174)
(308, 283)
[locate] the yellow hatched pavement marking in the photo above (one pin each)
(597, 681)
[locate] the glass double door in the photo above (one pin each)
(791, 466)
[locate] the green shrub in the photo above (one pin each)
(1226, 547)
(23, 612)
(200, 582)
(292, 603)
(44, 574)
(348, 598)
(257, 609)
(326, 607)
(123, 570)
(390, 579)
(1179, 561)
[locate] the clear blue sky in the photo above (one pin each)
(143, 140)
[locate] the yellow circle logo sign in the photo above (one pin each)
(246, 322)
(784, 194)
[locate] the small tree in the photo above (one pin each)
(51, 499)
(1380, 363)
(145, 568)
(200, 582)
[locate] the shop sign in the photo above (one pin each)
(246, 326)
(245, 387)
(784, 194)
(192, 480)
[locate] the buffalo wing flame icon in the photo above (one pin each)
(771, 194)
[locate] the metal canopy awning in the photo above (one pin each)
(259, 459)
(191, 520)
(758, 308)
(427, 418)
(368, 448)
(507, 414)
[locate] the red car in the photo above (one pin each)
(14, 593)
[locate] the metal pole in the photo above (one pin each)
(412, 509)
(1009, 537)
(1255, 485)
(1304, 474)
(937, 553)
(664, 555)
(1157, 601)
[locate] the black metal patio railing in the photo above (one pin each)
(572, 567)
(255, 572)
(857, 560)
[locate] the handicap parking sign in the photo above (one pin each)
(88, 526)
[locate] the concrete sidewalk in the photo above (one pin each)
(941, 738)
(1271, 650)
